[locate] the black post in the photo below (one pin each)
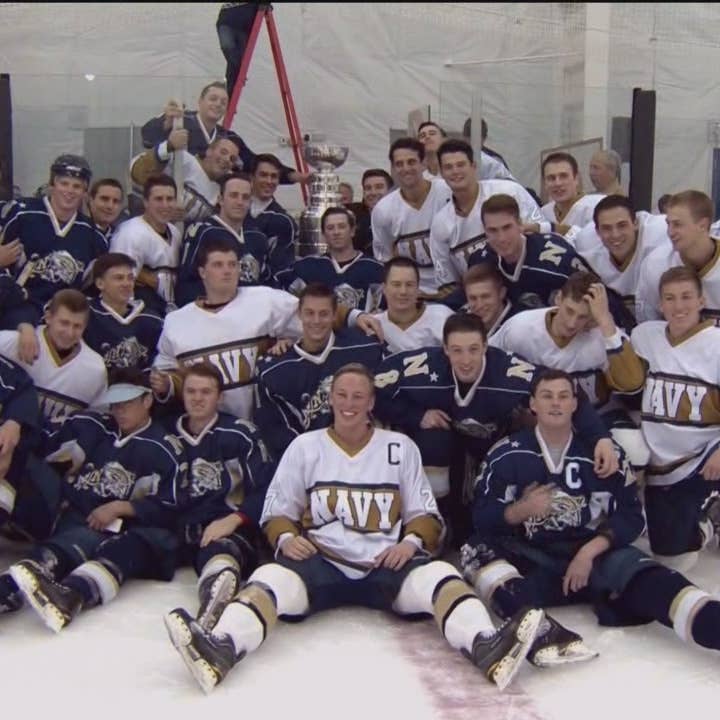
(6, 151)
(642, 148)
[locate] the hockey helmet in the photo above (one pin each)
(71, 165)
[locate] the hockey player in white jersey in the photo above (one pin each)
(229, 327)
(457, 229)
(677, 363)
(153, 242)
(352, 519)
(565, 338)
(201, 174)
(409, 323)
(569, 210)
(401, 220)
(68, 375)
(617, 242)
(689, 215)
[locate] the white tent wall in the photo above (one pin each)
(357, 69)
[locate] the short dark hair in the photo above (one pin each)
(663, 201)
(266, 158)
(426, 123)
(560, 157)
(337, 210)
(401, 262)
(482, 272)
(548, 374)
(216, 84)
(463, 323)
(577, 285)
(500, 203)
(218, 244)
(681, 273)
(407, 143)
(317, 290)
(377, 172)
(454, 145)
(71, 299)
(203, 369)
(236, 175)
(109, 182)
(354, 368)
(158, 181)
(108, 261)
(701, 207)
(129, 376)
(611, 202)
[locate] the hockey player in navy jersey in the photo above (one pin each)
(549, 531)
(233, 223)
(121, 329)
(122, 495)
(229, 470)
(271, 217)
(293, 390)
(356, 279)
(352, 520)
(59, 244)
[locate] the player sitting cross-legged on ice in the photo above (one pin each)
(549, 531)
(353, 520)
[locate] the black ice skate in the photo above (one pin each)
(556, 645)
(216, 591)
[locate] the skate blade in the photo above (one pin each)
(506, 669)
(181, 638)
(555, 655)
(39, 602)
(223, 591)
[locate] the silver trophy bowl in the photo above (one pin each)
(324, 193)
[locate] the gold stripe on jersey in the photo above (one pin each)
(276, 526)
(449, 593)
(690, 333)
(260, 601)
(364, 508)
(347, 449)
(712, 262)
(671, 467)
(426, 527)
(626, 370)
(560, 215)
(680, 400)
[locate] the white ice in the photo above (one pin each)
(116, 661)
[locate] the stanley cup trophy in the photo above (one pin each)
(324, 193)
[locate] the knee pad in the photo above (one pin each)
(418, 591)
(286, 586)
(634, 445)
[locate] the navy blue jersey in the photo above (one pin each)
(55, 257)
(123, 341)
(252, 249)
(547, 261)
(147, 468)
(229, 470)
(18, 398)
(357, 283)
(293, 390)
(280, 230)
(583, 504)
(410, 383)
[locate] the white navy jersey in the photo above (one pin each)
(230, 338)
(148, 248)
(425, 331)
(576, 218)
(400, 229)
(55, 256)
(623, 278)
(293, 390)
(357, 283)
(583, 505)
(64, 386)
(528, 334)
(352, 507)
(647, 300)
(454, 238)
(681, 398)
(123, 341)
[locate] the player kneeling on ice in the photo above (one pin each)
(121, 500)
(353, 520)
(549, 531)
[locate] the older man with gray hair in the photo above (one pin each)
(605, 169)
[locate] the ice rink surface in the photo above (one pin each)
(347, 664)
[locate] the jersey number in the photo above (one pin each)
(572, 477)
